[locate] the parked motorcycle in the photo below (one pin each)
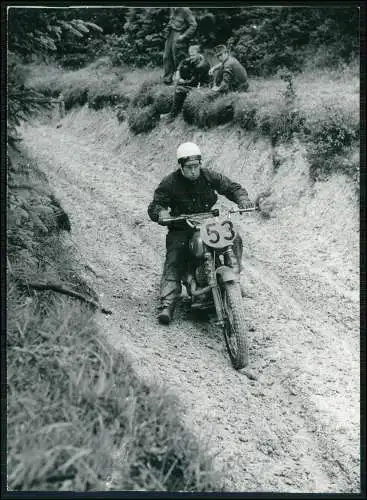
(212, 279)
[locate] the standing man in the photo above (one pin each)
(229, 74)
(192, 72)
(181, 26)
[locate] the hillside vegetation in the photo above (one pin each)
(307, 105)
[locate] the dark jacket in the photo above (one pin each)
(183, 196)
(181, 19)
(194, 72)
(234, 76)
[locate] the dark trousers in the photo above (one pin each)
(180, 95)
(173, 53)
(176, 264)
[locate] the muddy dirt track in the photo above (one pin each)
(295, 428)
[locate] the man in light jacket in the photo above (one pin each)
(181, 26)
(229, 74)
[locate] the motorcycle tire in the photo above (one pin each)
(235, 328)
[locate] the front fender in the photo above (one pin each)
(226, 274)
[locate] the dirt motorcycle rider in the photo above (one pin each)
(190, 189)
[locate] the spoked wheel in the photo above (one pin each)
(235, 329)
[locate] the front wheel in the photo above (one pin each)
(235, 329)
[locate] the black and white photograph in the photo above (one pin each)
(183, 248)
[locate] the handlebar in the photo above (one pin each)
(203, 215)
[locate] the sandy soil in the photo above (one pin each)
(295, 428)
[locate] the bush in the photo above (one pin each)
(106, 93)
(324, 163)
(144, 95)
(331, 135)
(200, 108)
(162, 96)
(245, 111)
(279, 123)
(142, 120)
(150, 101)
(75, 96)
(333, 128)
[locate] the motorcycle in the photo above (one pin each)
(212, 279)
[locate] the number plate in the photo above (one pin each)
(218, 233)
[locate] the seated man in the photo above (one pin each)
(192, 72)
(229, 74)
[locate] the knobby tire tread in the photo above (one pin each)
(234, 300)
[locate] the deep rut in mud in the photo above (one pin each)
(295, 428)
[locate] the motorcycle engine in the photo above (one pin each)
(200, 276)
(196, 245)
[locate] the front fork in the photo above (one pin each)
(209, 265)
(230, 263)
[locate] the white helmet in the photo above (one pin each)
(188, 150)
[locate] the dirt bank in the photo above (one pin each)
(295, 428)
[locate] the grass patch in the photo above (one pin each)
(206, 110)
(143, 120)
(307, 104)
(150, 101)
(72, 399)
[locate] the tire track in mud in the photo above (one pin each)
(268, 431)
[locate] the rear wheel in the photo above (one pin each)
(235, 329)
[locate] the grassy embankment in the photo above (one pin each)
(321, 107)
(72, 399)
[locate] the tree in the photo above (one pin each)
(34, 33)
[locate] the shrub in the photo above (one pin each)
(162, 98)
(324, 163)
(280, 123)
(144, 95)
(75, 96)
(219, 111)
(195, 110)
(106, 93)
(331, 134)
(333, 128)
(142, 120)
(150, 101)
(245, 111)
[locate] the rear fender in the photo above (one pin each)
(225, 274)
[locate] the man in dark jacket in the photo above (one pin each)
(181, 26)
(192, 72)
(229, 74)
(190, 189)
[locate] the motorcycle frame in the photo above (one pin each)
(225, 274)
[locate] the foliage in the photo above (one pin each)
(329, 142)
(150, 101)
(23, 102)
(285, 119)
(144, 119)
(41, 32)
(73, 400)
(263, 38)
(271, 38)
(206, 109)
(144, 36)
(35, 33)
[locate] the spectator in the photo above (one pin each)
(181, 26)
(192, 72)
(229, 74)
